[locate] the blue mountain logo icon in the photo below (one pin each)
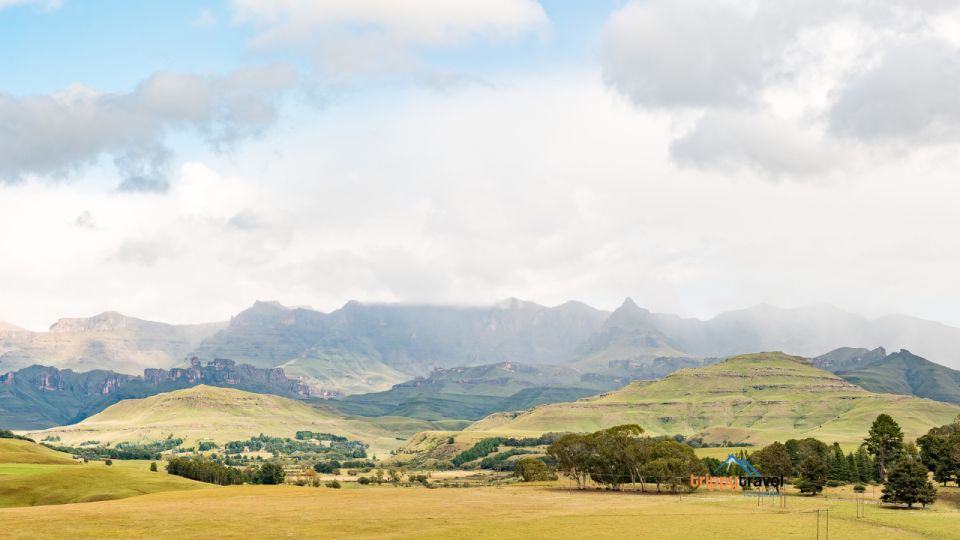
(742, 463)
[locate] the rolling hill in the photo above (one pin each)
(225, 414)
(476, 391)
(39, 397)
(899, 373)
(754, 398)
(27, 452)
(110, 341)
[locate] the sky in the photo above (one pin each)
(179, 160)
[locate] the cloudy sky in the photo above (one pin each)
(178, 160)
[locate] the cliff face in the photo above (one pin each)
(38, 396)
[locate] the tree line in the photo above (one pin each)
(620, 455)
(214, 473)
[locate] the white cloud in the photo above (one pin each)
(43, 4)
(359, 37)
(548, 188)
(58, 133)
(781, 81)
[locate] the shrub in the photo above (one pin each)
(859, 488)
(834, 483)
(153, 466)
(363, 481)
(108, 462)
(334, 484)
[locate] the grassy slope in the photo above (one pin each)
(30, 485)
(17, 451)
(520, 512)
(224, 414)
(905, 373)
(474, 392)
(754, 398)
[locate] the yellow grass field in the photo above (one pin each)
(519, 511)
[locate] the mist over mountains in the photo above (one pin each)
(371, 347)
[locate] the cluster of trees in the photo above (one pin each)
(7, 434)
(619, 455)
(122, 451)
(313, 436)
(481, 449)
(940, 452)
(303, 446)
(214, 473)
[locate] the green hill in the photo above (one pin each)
(27, 452)
(39, 397)
(754, 398)
(906, 373)
(224, 414)
(36, 485)
(474, 392)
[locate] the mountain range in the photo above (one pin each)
(362, 348)
(899, 373)
(39, 396)
(753, 399)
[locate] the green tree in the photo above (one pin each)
(885, 443)
(533, 470)
(671, 462)
(813, 475)
(378, 476)
(864, 467)
(153, 466)
(614, 457)
(940, 452)
(837, 466)
(852, 469)
(573, 454)
(773, 460)
(908, 483)
(270, 473)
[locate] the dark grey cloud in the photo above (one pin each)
(56, 134)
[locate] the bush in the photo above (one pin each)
(108, 462)
(335, 484)
(153, 466)
(859, 488)
(834, 483)
(363, 481)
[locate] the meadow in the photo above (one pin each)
(514, 511)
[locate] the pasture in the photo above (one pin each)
(515, 511)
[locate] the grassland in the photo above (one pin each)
(757, 398)
(225, 414)
(520, 512)
(18, 451)
(31, 484)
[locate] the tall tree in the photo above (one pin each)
(837, 467)
(573, 454)
(885, 443)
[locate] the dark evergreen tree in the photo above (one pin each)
(885, 443)
(907, 483)
(813, 475)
